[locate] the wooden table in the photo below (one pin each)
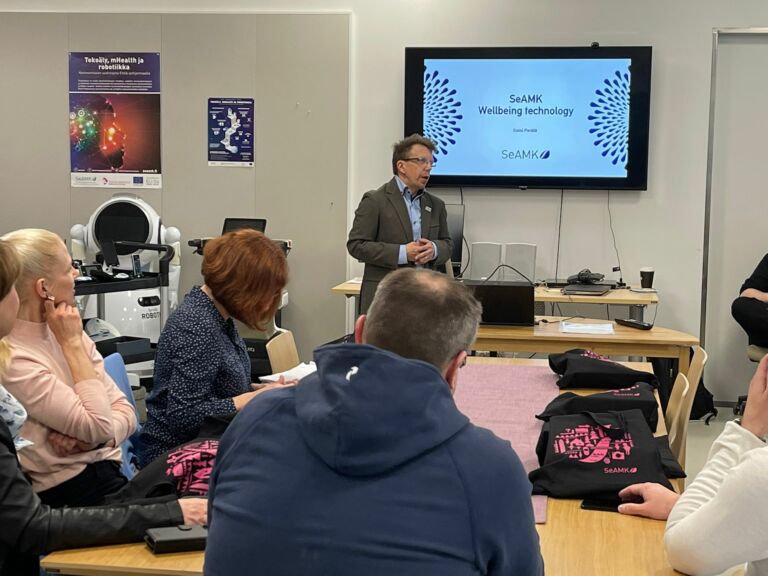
(623, 296)
(574, 542)
(123, 560)
(637, 301)
(657, 342)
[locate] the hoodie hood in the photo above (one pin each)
(366, 410)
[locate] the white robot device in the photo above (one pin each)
(126, 217)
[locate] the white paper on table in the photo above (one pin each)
(355, 280)
(581, 328)
(296, 373)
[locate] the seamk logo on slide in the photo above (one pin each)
(525, 154)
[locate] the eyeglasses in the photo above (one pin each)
(422, 161)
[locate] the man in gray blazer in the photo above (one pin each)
(400, 224)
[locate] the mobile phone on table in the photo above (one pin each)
(604, 504)
(109, 252)
(136, 262)
(176, 539)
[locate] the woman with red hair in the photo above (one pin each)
(202, 367)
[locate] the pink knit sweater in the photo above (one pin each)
(93, 411)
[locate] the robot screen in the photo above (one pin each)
(122, 221)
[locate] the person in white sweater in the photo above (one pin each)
(721, 520)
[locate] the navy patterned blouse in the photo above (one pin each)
(201, 363)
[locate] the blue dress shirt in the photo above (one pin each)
(413, 207)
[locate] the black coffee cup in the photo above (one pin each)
(646, 277)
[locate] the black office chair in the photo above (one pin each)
(455, 216)
(230, 224)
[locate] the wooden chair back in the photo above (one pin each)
(675, 418)
(282, 352)
(696, 368)
(679, 389)
(681, 414)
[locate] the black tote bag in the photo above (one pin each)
(596, 454)
(640, 396)
(584, 369)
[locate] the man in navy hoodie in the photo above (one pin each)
(367, 467)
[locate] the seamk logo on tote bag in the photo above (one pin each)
(595, 454)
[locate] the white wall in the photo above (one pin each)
(661, 227)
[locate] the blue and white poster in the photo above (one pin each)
(230, 132)
(537, 117)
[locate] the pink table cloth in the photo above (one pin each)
(505, 399)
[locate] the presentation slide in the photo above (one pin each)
(528, 117)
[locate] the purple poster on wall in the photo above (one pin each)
(114, 119)
(230, 132)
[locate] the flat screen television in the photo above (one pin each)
(547, 117)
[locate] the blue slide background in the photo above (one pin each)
(560, 146)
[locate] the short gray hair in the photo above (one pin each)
(423, 315)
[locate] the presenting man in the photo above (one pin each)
(367, 466)
(400, 224)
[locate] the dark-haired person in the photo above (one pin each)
(367, 466)
(400, 223)
(750, 309)
(28, 527)
(202, 366)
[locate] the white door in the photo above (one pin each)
(739, 203)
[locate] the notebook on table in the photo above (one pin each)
(586, 289)
(562, 283)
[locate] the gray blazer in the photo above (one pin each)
(382, 224)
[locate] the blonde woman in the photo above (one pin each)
(29, 528)
(77, 415)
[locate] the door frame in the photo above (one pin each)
(716, 34)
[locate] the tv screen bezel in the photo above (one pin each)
(639, 119)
